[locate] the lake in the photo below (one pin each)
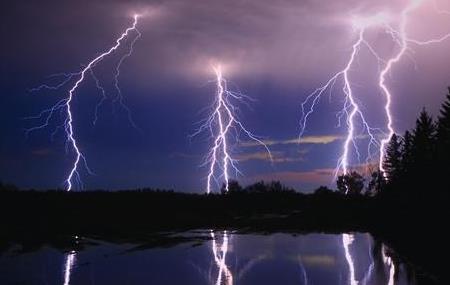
(224, 258)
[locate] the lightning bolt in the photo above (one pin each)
(119, 97)
(382, 81)
(222, 124)
(401, 38)
(404, 42)
(351, 109)
(65, 105)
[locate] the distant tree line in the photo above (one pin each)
(7, 187)
(258, 187)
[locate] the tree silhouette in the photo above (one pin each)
(443, 139)
(351, 183)
(7, 187)
(377, 182)
(406, 159)
(443, 124)
(392, 161)
(323, 190)
(412, 163)
(423, 151)
(233, 186)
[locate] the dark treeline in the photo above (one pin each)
(418, 163)
(8, 187)
(36, 216)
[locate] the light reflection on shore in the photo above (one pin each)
(347, 240)
(389, 263)
(379, 257)
(226, 258)
(70, 261)
(220, 253)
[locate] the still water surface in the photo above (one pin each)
(227, 258)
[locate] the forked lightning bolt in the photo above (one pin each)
(119, 97)
(351, 109)
(403, 39)
(224, 126)
(64, 105)
(382, 82)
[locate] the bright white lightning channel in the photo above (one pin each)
(351, 109)
(64, 105)
(401, 37)
(224, 127)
